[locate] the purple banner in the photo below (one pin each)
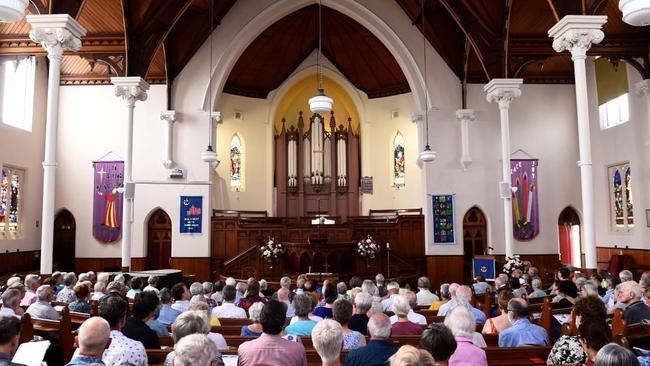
(525, 209)
(107, 201)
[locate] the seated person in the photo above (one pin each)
(481, 287)
(122, 350)
(100, 291)
(136, 326)
(270, 348)
(378, 350)
(252, 295)
(66, 294)
(342, 313)
(9, 339)
(11, 302)
(327, 337)
(93, 338)
(32, 282)
(424, 295)
(462, 326)
(522, 332)
(630, 294)
(359, 320)
(567, 294)
(181, 296)
(255, 328)
(403, 326)
(195, 350)
(444, 294)
(614, 355)
(463, 297)
(330, 293)
(188, 323)
(42, 308)
(302, 305)
(81, 304)
(167, 314)
(152, 282)
(228, 309)
(537, 288)
(499, 323)
(136, 287)
(439, 341)
(408, 355)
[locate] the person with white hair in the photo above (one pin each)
(463, 298)
(408, 355)
(231, 281)
(402, 325)
(625, 276)
(192, 323)
(152, 282)
(424, 295)
(255, 328)
(207, 293)
(241, 288)
(196, 288)
(393, 292)
(537, 288)
(228, 309)
(42, 308)
(100, 291)
(83, 277)
(378, 350)
(359, 319)
(32, 282)
(380, 281)
(67, 293)
(589, 288)
(444, 297)
(368, 287)
(12, 280)
(10, 303)
(444, 308)
(92, 338)
(103, 277)
(630, 294)
(194, 350)
(462, 324)
(327, 337)
(412, 316)
(283, 295)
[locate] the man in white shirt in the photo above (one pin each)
(181, 296)
(228, 309)
(425, 296)
(32, 281)
(122, 350)
(152, 281)
(100, 291)
(412, 316)
(393, 290)
(10, 302)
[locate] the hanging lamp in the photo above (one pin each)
(635, 12)
(320, 103)
(426, 155)
(209, 155)
(12, 10)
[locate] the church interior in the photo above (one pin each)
(338, 138)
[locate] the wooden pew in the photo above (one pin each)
(235, 341)
(61, 327)
(492, 340)
(519, 356)
(26, 328)
(233, 321)
(157, 356)
(228, 330)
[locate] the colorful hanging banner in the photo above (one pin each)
(191, 214)
(443, 219)
(525, 209)
(107, 201)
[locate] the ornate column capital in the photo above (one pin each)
(503, 91)
(465, 115)
(56, 33)
(216, 117)
(576, 34)
(643, 87)
(168, 116)
(130, 88)
(417, 117)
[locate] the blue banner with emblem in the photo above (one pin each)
(484, 267)
(191, 214)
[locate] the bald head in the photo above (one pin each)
(283, 294)
(93, 336)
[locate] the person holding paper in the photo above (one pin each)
(93, 339)
(9, 339)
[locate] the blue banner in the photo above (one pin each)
(484, 267)
(191, 214)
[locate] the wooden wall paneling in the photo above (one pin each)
(102, 264)
(447, 268)
(198, 266)
(641, 257)
(14, 262)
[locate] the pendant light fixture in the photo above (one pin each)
(209, 155)
(12, 10)
(320, 103)
(635, 12)
(426, 155)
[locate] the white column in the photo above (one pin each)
(130, 89)
(56, 33)
(576, 33)
(643, 88)
(169, 117)
(465, 116)
(504, 91)
(215, 118)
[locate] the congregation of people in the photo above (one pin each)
(358, 318)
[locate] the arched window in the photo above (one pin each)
(622, 207)
(236, 166)
(11, 181)
(398, 161)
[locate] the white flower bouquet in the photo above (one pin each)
(368, 247)
(271, 250)
(512, 263)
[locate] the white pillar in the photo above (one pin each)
(56, 33)
(465, 116)
(215, 120)
(576, 33)
(504, 91)
(643, 88)
(130, 89)
(169, 117)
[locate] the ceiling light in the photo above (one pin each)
(320, 103)
(635, 12)
(12, 10)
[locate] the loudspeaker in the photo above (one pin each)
(129, 190)
(504, 189)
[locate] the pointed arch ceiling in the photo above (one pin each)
(283, 46)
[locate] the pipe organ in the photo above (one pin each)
(317, 168)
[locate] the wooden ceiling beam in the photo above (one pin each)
(108, 43)
(71, 7)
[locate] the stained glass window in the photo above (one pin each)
(622, 207)
(236, 175)
(10, 201)
(398, 161)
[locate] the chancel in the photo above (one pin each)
(310, 143)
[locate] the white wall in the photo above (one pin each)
(24, 149)
(616, 145)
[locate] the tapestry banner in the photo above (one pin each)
(107, 201)
(525, 207)
(191, 214)
(443, 219)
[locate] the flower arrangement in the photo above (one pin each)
(271, 250)
(368, 247)
(512, 263)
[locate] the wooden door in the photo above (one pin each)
(64, 241)
(159, 240)
(474, 238)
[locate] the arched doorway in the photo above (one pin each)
(64, 241)
(569, 237)
(159, 240)
(474, 238)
